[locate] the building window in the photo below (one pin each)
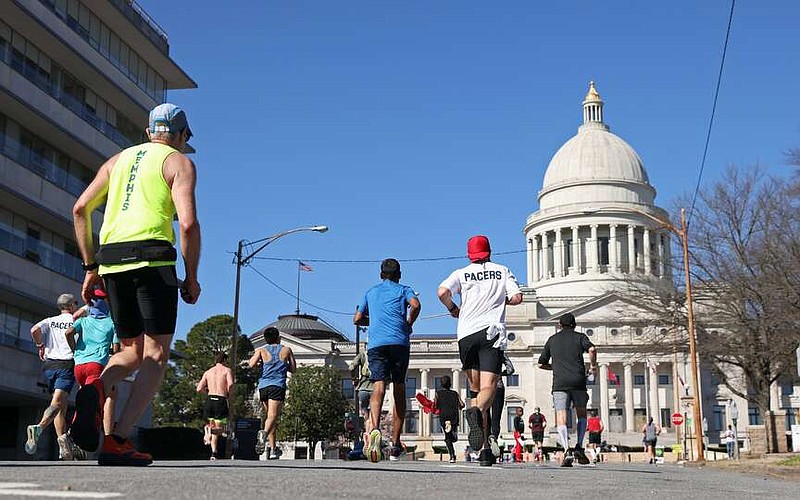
(666, 417)
(512, 336)
(791, 417)
(347, 389)
(511, 412)
(638, 380)
(753, 416)
(512, 380)
(639, 331)
(663, 380)
(411, 387)
(411, 425)
(787, 389)
(614, 332)
(568, 255)
(603, 249)
(663, 332)
(589, 332)
(718, 419)
(437, 383)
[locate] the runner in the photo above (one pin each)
(217, 381)
(651, 431)
(93, 339)
(485, 289)
(51, 342)
(595, 427)
(566, 349)
(389, 309)
(537, 423)
(519, 433)
(143, 188)
(359, 371)
(449, 404)
(277, 361)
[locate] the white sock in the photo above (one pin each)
(563, 436)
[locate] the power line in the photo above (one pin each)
(377, 261)
(290, 294)
(713, 110)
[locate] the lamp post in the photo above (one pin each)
(242, 261)
(682, 233)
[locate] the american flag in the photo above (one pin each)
(304, 266)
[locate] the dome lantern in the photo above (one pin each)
(593, 107)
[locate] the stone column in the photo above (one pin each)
(576, 250)
(774, 397)
(661, 253)
(558, 256)
(595, 253)
(631, 249)
(425, 423)
(545, 257)
(613, 257)
(646, 251)
(534, 266)
(531, 261)
(655, 406)
(628, 376)
(604, 414)
(456, 379)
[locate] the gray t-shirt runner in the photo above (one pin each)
(566, 349)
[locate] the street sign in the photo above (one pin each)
(677, 419)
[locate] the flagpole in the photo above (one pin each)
(297, 311)
(646, 389)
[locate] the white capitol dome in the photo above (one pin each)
(595, 157)
(597, 220)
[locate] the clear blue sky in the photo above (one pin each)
(408, 127)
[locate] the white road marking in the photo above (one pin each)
(24, 490)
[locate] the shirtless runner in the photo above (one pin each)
(218, 382)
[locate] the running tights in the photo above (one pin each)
(581, 431)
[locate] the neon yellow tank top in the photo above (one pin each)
(139, 205)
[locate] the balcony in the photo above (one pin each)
(41, 166)
(133, 12)
(40, 80)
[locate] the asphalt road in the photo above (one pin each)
(296, 479)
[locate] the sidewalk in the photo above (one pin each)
(767, 465)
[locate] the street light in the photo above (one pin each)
(683, 235)
(242, 261)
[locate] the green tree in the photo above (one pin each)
(315, 406)
(177, 402)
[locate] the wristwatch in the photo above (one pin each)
(90, 267)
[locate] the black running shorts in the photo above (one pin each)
(273, 392)
(143, 300)
(594, 438)
(215, 408)
(478, 353)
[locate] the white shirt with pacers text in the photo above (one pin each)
(54, 336)
(483, 289)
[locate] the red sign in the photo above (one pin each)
(677, 419)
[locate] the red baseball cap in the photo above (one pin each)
(478, 248)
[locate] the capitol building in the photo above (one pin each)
(596, 231)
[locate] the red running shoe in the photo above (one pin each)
(122, 454)
(87, 425)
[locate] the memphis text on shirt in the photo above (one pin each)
(483, 275)
(134, 171)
